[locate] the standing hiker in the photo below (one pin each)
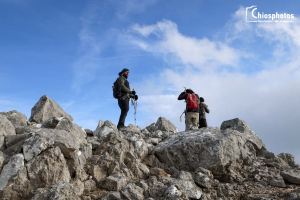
(192, 109)
(202, 116)
(122, 93)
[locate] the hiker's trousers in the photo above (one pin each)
(202, 123)
(191, 120)
(124, 106)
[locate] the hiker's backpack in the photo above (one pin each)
(192, 101)
(116, 89)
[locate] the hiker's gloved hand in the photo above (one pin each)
(136, 97)
(133, 92)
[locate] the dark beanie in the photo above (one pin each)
(190, 91)
(201, 99)
(124, 70)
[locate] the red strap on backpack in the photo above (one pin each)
(191, 101)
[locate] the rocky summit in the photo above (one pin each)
(48, 157)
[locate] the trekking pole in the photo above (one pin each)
(134, 103)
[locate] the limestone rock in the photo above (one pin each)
(209, 148)
(64, 123)
(100, 124)
(15, 139)
(47, 108)
(15, 164)
(45, 138)
(277, 181)
(291, 176)
(6, 127)
(172, 193)
(105, 129)
(132, 191)
(89, 132)
(1, 159)
(114, 182)
(151, 127)
(90, 185)
(203, 180)
(48, 168)
(288, 158)
(111, 196)
(165, 125)
(60, 191)
(15, 117)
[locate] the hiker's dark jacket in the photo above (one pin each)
(182, 96)
(123, 85)
(202, 109)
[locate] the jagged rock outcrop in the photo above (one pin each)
(54, 158)
(47, 108)
(210, 148)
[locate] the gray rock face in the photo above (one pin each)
(291, 176)
(47, 108)
(132, 191)
(202, 180)
(60, 191)
(172, 193)
(209, 148)
(165, 125)
(44, 138)
(277, 181)
(6, 127)
(15, 117)
(48, 168)
(235, 124)
(106, 129)
(288, 158)
(15, 164)
(114, 182)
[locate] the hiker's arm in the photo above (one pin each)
(206, 108)
(182, 96)
(122, 85)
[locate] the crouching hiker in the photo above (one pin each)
(192, 109)
(202, 116)
(121, 90)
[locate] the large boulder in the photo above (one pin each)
(15, 117)
(15, 164)
(64, 123)
(47, 108)
(6, 127)
(165, 125)
(48, 168)
(105, 129)
(44, 138)
(210, 148)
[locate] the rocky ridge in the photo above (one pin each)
(50, 157)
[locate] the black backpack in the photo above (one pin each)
(116, 89)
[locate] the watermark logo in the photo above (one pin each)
(252, 15)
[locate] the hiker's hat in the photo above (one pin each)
(124, 70)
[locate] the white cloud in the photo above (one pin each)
(266, 98)
(188, 50)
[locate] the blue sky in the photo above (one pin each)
(72, 51)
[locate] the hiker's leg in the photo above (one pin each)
(124, 106)
(195, 120)
(188, 120)
(205, 122)
(196, 125)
